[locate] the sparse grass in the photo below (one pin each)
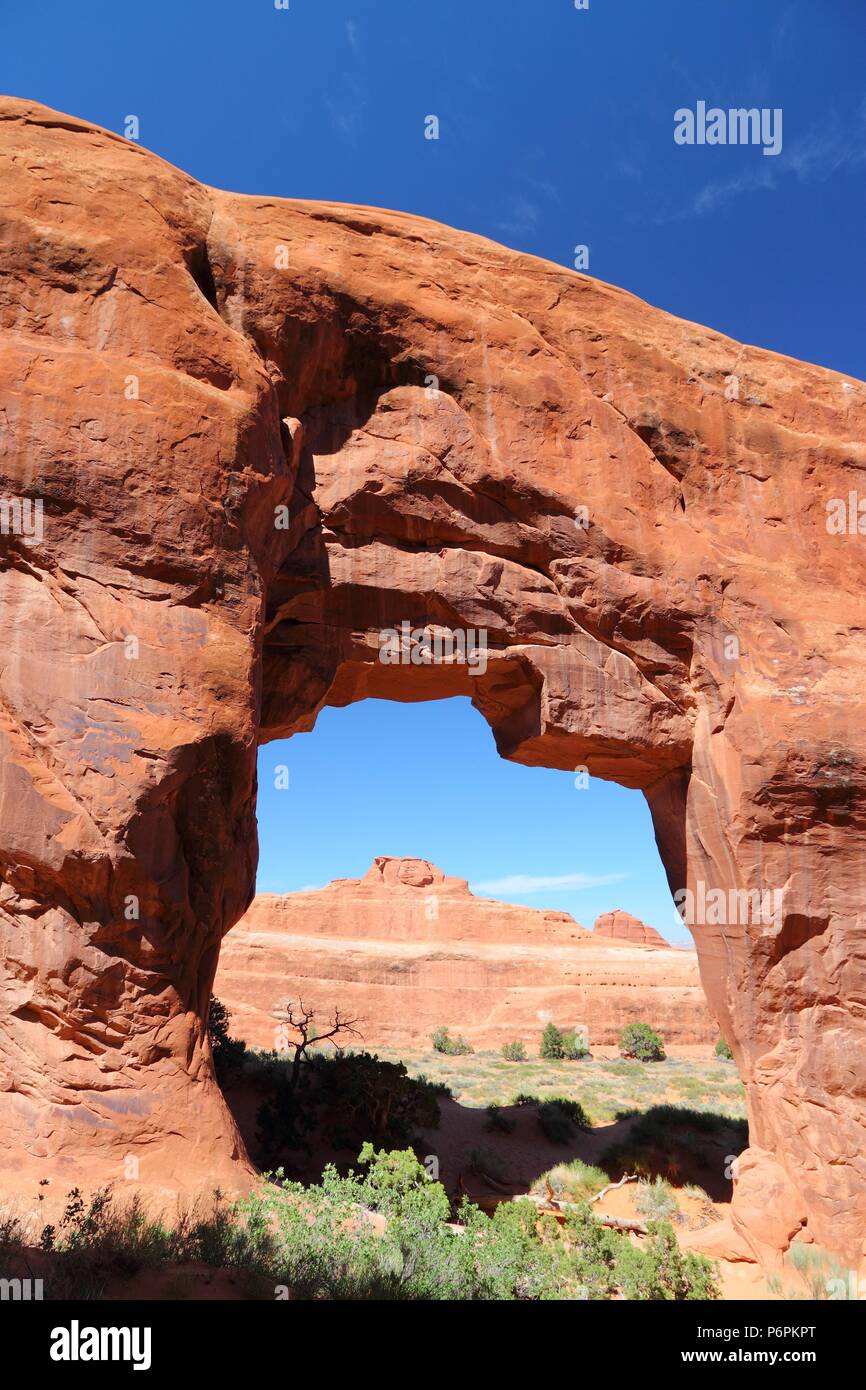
(656, 1200)
(98, 1242)
(697, 1194)
(821, 1272)
(11, 1235)
(607, 1088)
(573, 1182)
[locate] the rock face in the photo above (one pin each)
(407, 949)
(262, 431)
(621, 926)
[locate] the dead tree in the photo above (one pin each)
(302, 1020)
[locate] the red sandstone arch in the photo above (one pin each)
(180, 363)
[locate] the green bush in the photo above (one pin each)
(323, 1251)
(558, 1045)
(347, 1095)
(451, 1047)
(638, 1040)
(228, 1052)
(289, 1241)
(498, 1120)
(573, 1046)
(560, 1119)
(666, 1137)
(660, 1270)
(439, 1088)
(514, 1051)
(723, 1051)
(97, 1243)
(552, 1047)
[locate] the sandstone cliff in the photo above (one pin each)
(406, 948)
(260, 431)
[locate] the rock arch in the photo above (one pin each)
(449, 433)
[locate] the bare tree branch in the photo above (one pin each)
(302, 1019)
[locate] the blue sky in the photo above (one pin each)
(556, 129)
(426, 780)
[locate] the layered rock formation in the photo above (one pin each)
(622, 926)
(407, 949)
(261, 432)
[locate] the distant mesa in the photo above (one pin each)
(621, 926)
(408, 948)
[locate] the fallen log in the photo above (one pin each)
(621, 1223)
(560, 1207)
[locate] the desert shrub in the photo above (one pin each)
(319, 1243)
(498, 1120)
(514, 1051)
(723, 1050)
(660, 1270)
(640, 1041)
(438, 1088)
(665, 1135)
(523, 1099)
(573, 1182)
(699, 1194)
(228, 1052)
(451, 1047)
(661, 1118)
(573, 1046)
(558, 1044)
(11, 1236)
(552, 1047)
(98, 1241)
(364, 1096)
(656, 1200)
(559, 1119)
(348, 1096)
(706, 1212)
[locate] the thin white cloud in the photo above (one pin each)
(813, 158)
(522, 218)
(544, 883)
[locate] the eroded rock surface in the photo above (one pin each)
(632, 508)
(406, 949)
(622, 926)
